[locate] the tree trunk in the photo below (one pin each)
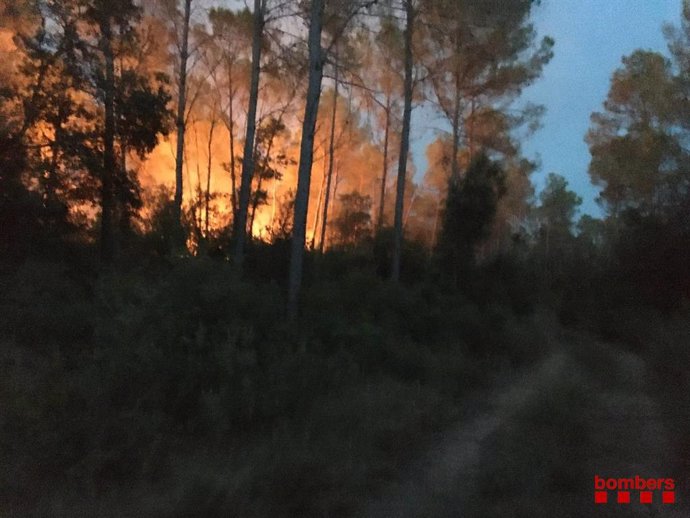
(240, 223)
(434, 234)
(319, 203)
(384, 175)
(121, 209)
(181, 109)
(306, 155)
(231, 130)
(409, 208)
(199, 211)
(404, 145)
(208, 173)
(471, 143)
(107, 200)
(331, 156)
(274, 204)
(454, 165)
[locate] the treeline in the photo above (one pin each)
(104, 100)
(185, 127)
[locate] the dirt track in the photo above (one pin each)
(605, 423)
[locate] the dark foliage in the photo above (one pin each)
(469, 212)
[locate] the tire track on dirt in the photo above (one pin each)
(623, 435)
(452, 464)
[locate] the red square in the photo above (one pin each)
(668, 497)
(623, 497)
(645, 497)
(601, 497)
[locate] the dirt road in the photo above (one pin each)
(534, 448)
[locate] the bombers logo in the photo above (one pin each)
(646, 488)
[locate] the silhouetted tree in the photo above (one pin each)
(410, 13)
(637, 143)
(181, 108)
(248, 164)
(339, 17)
(469, 212)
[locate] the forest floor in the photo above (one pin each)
(534, 445)
(529, 446)
(390, 402)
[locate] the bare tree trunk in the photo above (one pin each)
(240, 223)
(107, 200)
(190, 188)
(122, 213)
(454, 165)
(404, 145)
(306, 155)
(200, 202)
(471, 146)
(231, 130)
(181, 109)
(319, 203)
(331, 156)
(208, 173)
(434, 234)
(274, 204)
(336, 183)
(384, 175)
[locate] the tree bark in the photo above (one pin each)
(240, 223)
(180, 122)
(471, 139)
(331, 156)
(457, 109)
(319, 203)
(384, 175)
(306, 155)
(231, 130)
(208, 173)
(454, 165)
(404, 145)
(199, 210)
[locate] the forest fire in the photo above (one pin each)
(285, 259)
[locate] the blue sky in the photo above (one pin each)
(591, 37)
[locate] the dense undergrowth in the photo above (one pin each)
(136, 378)
(169, 386)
